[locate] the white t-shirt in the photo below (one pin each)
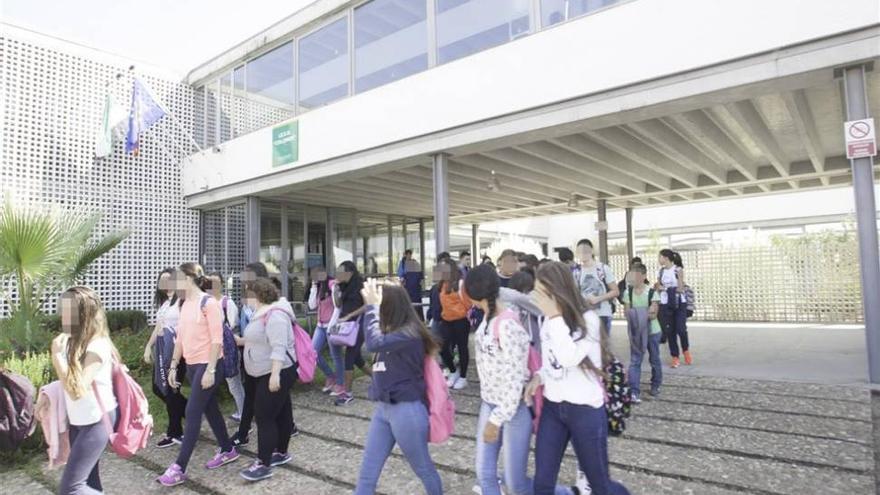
(561, 356)
(85, 410)
(231, 313)
(168, 314)
(668, 279)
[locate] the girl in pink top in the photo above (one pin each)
(200, 343)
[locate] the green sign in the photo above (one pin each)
(285, 144)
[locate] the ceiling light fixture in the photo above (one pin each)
(573, 201)
(494, 184)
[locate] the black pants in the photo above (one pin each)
(250, 397)
(353, 355)
(202, 402)
(175, 405)
(274, 413)
(673, 322)
(455, 334)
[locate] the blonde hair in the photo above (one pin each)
(90, 324)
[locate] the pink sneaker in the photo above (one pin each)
(337, 390)
(173, 476)
(222, 459)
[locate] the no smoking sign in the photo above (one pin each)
(860, 138)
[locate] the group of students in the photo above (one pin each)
(541, 340)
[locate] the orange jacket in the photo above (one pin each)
(454, 305)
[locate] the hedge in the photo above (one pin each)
(134, 320)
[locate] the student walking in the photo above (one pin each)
(596, 283)
(321, 300)
(82, 356)
(642, 305)
(502, 346)
(159, 350)
(401, 342)
(351, 307)
(574, 354)
(673, 314)
(230, 322)
(508, 265)
(454, 326)
(269, 358)
(200, 343)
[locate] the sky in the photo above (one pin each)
(151, 31)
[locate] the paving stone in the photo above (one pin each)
(782, 389)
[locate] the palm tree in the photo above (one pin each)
(42, 251)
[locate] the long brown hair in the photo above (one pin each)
(396, 314)
(90, 323)
(197, 274)
(450, 285)
(558, 282)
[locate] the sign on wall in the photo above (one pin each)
(860, 138)
(285, 144)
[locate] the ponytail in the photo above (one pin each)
(197, 274)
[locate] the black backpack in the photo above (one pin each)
(17, 396)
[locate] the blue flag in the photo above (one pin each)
(145, 111)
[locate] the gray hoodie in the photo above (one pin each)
(269, 338)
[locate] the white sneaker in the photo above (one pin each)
(460, 384)
(453, 377)
(582, 484)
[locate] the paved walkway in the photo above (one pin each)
(706, 435)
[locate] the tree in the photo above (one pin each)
(43, 251)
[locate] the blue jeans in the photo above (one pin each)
(319, 340)
(587, 428)
(515, 436)
(606, 324)
(673, 320)
(635, 365)
(404, 423)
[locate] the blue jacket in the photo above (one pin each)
(412, 281)
(398, 372)
(434, 308)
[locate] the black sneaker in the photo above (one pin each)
(344, 399)
(256, 472)
(279, 459)
(294, 432)
(655, 392)
(167, 441)
(239, 441)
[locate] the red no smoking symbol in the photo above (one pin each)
(858, 130)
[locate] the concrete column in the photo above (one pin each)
(603, 230)
(475, 244)
(441, 201)
(630, 236)
(252, 207)
(869, 257)
(422, 245)
(392, 261)
(285, 254)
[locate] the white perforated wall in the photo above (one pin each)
(53, 95)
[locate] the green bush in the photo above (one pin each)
(131, 319)
(20, 335)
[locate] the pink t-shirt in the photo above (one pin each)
(198, 330)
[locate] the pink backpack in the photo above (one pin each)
(135, 424)
(534, 363)
(306, 357)
(441, 408)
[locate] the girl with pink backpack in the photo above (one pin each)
(321, 300)
(82, 356)
(401, 343)
(504, 349)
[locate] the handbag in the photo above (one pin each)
(345, 333)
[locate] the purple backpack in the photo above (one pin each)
(17, 423)
(230, 348)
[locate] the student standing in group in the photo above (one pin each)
(200, 343)
(82, 356)
(642, 305)
(502, 346)
(673, 314)
(625, 281)
(230, 320)
(321, 300)
(401, 342)
(401, 266)
(251, 272)
(464, 263)
(596, 283)
(165, 332)
(454, 326)
(574, 353)
(351, 307)
(508, 265)
(269, 358)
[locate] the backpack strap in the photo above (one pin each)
(630, 292)
(289, 316)
(503, 315)
(224, 303)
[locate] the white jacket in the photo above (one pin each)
(565, 380)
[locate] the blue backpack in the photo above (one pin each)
(230, 348)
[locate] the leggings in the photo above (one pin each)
(274, 415)
(455, 334)
(87, 443)
(202, 402)
(673, 322)
(247, 412)
(175, 405)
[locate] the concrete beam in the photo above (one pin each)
(799, 109)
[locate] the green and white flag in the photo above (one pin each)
(112, 127)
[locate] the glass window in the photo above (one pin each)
(238, 101)
(469, 26)
(269, 91)
(373, 244)
(297, 278)
(270, 237)
(211, 114)
(556, 11)
(324, 65)
(343, 236)
(226, 107)
(390, 41)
